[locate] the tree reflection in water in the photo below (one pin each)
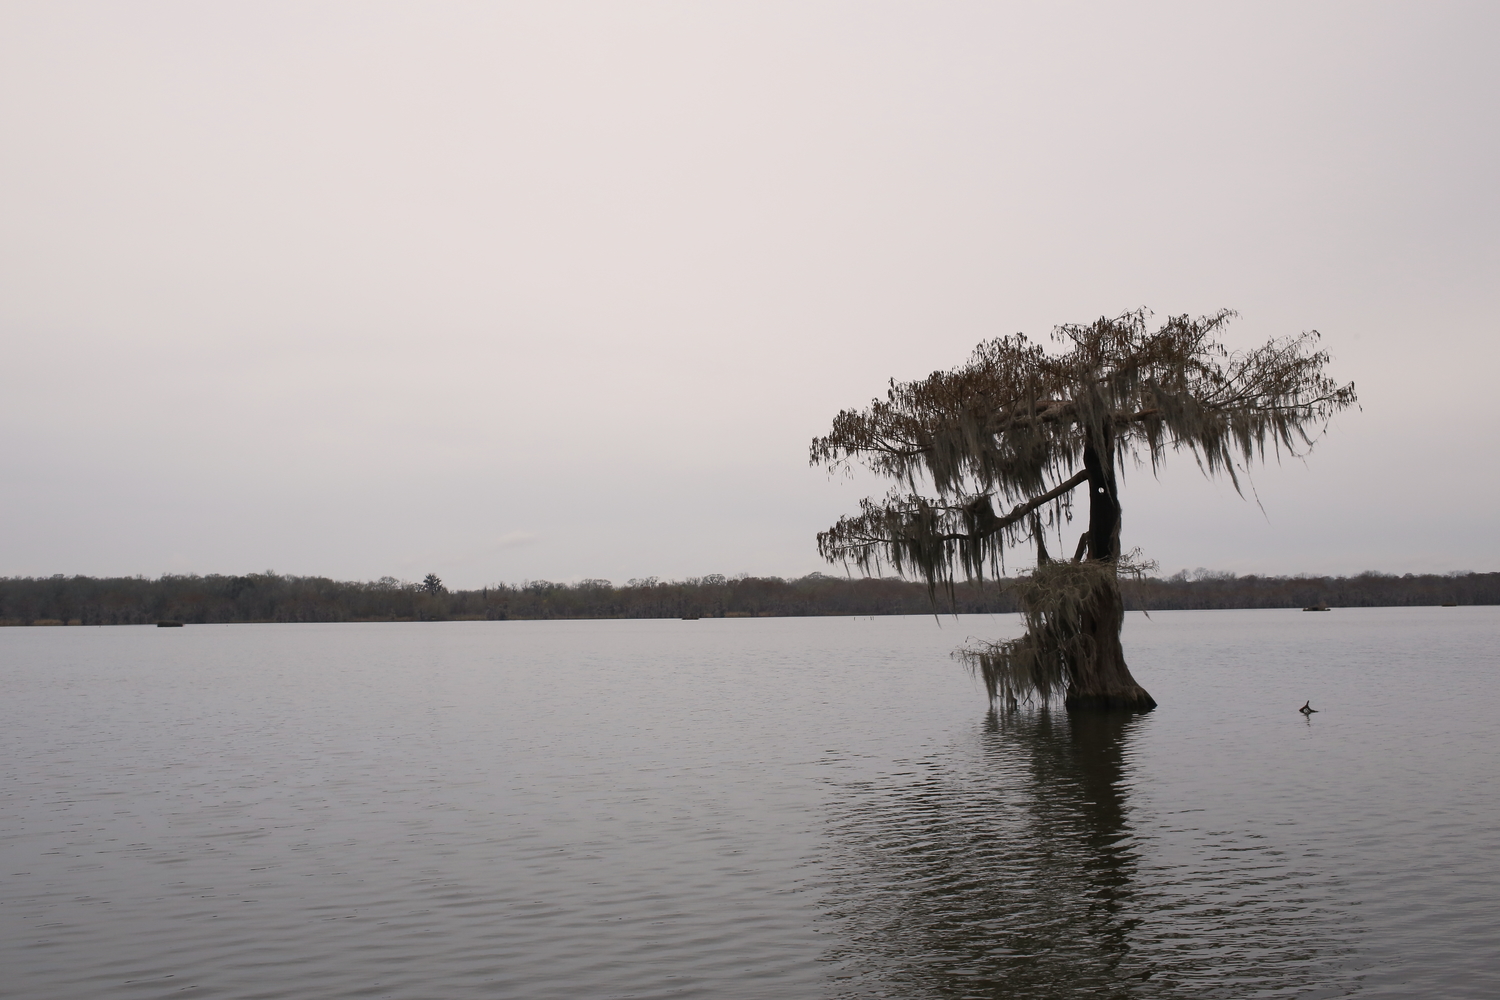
(1021, 876)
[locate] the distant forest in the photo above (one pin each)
(270, 597)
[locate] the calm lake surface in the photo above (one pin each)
(817, 808)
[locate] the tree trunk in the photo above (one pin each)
(1104, 681)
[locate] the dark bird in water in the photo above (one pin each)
(1307, 708)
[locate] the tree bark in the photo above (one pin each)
(1104, 499)
(1103, 681)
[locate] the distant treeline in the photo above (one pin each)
(270, 597)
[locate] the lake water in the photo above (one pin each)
(807, 808)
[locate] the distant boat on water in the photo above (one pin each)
(1320, 606)
(169, 624)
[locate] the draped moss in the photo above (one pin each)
(987, 457)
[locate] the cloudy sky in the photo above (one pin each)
(562, 290)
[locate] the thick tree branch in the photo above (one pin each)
(1017, 512)
(1020, 510)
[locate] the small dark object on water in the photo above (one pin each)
(169, 624)
(689, 618)
(1307, 708)
(1453, 605)
(1320, 606)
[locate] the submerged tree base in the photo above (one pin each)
(1072, 643)
(1133, 699)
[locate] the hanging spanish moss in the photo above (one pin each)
(1058, 603)
(1022, 428)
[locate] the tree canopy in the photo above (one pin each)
(1023, 427)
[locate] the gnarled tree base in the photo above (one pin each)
(1073, 612)
(1102, 682)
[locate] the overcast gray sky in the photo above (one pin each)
(563, 290)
